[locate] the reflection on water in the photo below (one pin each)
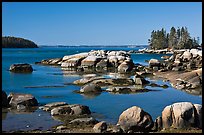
(90, 95)
(15, 120)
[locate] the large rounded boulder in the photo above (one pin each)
(135, 119)
(182, 115)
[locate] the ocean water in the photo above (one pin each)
(105, 106)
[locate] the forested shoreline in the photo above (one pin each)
(176, 39)
(14, 42)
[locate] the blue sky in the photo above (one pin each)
(95, 23)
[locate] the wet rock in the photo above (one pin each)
(135, 119)
(90, 88)
(179, 115)
(21, 68)
(90, 120)
(100, 127)
(5, 102)
(27, 100)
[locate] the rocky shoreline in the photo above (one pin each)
(78, 118)
(183, 69)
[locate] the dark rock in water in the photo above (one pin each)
(164, 86)
(5, 102)
(90, 120)
(27, 100)
(100, 127)
(90, 88)
(21, 68)
(119, 90)
(135, 119)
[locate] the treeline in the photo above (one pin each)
(14, 42)
(176, 39)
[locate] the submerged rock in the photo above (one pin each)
(21, 68)
(90, 120)
(50, 106)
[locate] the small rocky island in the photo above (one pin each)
(14, 42)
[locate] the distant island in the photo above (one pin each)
(15, 42)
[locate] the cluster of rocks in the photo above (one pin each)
(94, 85)
(189, 62)
(100, 60)
(182, 115)
(179, 61)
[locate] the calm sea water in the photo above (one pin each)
(105, 106)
